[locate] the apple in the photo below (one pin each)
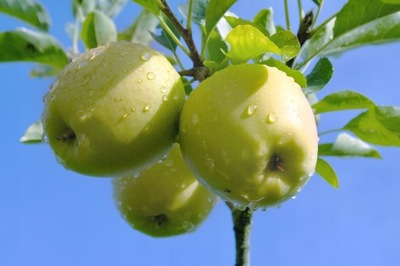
(165, 199)
(248, 133)
(113, 110)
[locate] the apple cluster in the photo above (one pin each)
(246, 134)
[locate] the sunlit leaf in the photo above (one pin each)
(33, 134)
(26, 45)
(342, 100)
(141, 29)
(29, 11)
(98, 29)
(150, 5)
(111, 7)
(264, 18)
(248, 42)
(235, 21)
(319, 76)
(326, 171)
(295, 74)
(379, 125)
(287, 43)
(347, 145)
(215, 11)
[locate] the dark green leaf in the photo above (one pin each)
(342, 100)
(216, 9)
(81, 8)
(295, 74)
(325, 170)
(320, 75)
(216, 47)
(98, 29)
(111, 7)
(33, 134)
(347, 145)
(27, 45)
(141, 29)
(391, 1)
(247, 42)
(379, 125)
(28, 11)
(264, 19)
(287, 43)
(150, 5)
(164, 38)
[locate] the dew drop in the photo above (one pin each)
(145, 56)
(165, 98)
(272, 118)
(146, 108)
(139, 81)
(188, 226)
(195, 118)
(151, 76)
(164, 89)
(251, 109)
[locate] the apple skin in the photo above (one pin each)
(165, 199)
(248, 134)
(113, 110)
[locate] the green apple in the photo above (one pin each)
(165, 199)
(248, 133)
(113, 110)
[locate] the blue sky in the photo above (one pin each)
(51, 216)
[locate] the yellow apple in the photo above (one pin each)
(249, 134)
(113, 110)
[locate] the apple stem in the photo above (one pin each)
(242, 220)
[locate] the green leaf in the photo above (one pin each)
(164, 38)
(295, 74)
(248, 42)
(111, 7)
(376, 22)
(34, 134)
(215, 11)
(28, 11)
(317, 2)
(150, 5)
(287, 43)
(379, 125)
(216, 47)
(391, 1)
(98, 29)
(235, 21)
(320, 75)
(26, 45)
(264, 19)
(342, 100)
(81, 8)
(141, 29)
(325, 170)
(199, 11)
(347, 145)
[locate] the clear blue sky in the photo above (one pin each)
(53, 217)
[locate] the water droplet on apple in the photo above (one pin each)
(164, 89)
(195, 118)
(151, 76)
(54, 84)
(165, 98)
(251, 109)
(139, 81)
(145, 56)
(146, 108)
(188, 226)
(272, 118)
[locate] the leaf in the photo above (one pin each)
(295, 74)
(164, 38)
(342, 100)
(81, 8)
(150, 5)
(111, 7)
(235, 21)
(376, 22)
(317, 2)
(26, 45)
(199, 11)
(34, 134)
(141, 29)
(391, 1)
(28, 11)
(215, 11)
(248, 42)
(325, 170)
(216, 47)
(98, 29)
(347, 145)
(320, 75)
(264, 18)
(379, 125)
(287, 43)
